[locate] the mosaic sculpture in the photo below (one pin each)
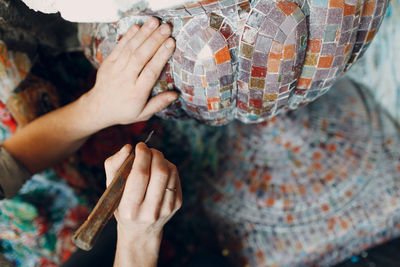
(310, 187)
(251, 60)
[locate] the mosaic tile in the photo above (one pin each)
(269, 54)
(372, 15)
(338, 20)
(306, 185)
(215, 57)
(307, 45)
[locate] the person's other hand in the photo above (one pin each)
(126, 77)
(152, 195)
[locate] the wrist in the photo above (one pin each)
(142, 239)
(137, 249)
(93, 112)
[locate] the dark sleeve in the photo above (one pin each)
(12, 175)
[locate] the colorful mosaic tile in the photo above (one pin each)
(317, 185)
(271, 55)
(372, 15)
(250, 60)
(379, 67)
(202, 68)
(333, 26)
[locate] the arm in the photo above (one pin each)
(120, 96)
(151, 197)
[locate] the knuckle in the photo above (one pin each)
(155, 39)
(157, 154)
(151, 216)
(162, 172)
(179, 203)
(108, 163)
(127, 215)
(152, 74)
(138, 59)
(142, 174)
(173, 168)
(134, 28)
(142, 150)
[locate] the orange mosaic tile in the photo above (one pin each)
(222, 55)
(370, 36)
(273, 65)
(287, 7)
(325, 207)
(349, 10)
(275, 56)
(314, 45)
(325, 62)
(206, 2)
(269, 202)
(369, 8)
(289, 52)
(289, 218)
(304, 83)
(336, 3)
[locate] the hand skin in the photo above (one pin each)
(145, 207)
(120, 96)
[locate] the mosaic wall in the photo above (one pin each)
(251, 60)
(307, 189)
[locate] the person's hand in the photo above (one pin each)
(152, 195)
(126, 77)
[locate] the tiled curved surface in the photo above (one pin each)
(262, 79)
(333, 26)
(203, 71)
(372, 15)
(231, 9)
(271, 55)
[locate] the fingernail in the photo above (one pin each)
(152, 23)
(169, 43)
(165, 30)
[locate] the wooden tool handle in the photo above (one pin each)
(85, 237)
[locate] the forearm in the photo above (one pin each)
(54, 136)
(134, 252)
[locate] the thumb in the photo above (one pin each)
(113, 163)
(158, 103)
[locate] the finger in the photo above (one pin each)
(145, 31)
(138, 178)
(148, 49)
(178, 198)
(121, 43)
(151, 72)
(158, 103)
(168, 204)
(157, 184)
(113, 163)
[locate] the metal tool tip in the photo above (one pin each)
(149, 137)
